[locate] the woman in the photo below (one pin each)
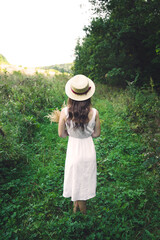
(81, 123)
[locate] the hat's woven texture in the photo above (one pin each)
(80, 88)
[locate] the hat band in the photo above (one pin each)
(81, 93)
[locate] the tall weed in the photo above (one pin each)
(26, 100)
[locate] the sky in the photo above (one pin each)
(42, 32)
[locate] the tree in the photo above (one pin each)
(3, 59)
(125, 42)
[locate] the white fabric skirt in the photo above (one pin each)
(80, 169)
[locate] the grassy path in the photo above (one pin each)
(33, 156)
(125, 205)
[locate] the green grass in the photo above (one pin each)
(33, 157)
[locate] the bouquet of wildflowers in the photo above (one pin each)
(55, 115)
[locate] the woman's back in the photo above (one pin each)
(88, 127)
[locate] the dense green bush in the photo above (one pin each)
(26, 100)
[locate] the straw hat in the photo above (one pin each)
(80, 88)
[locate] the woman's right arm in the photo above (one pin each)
(61, 126)
(97, 129)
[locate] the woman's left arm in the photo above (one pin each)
(61, 126)
(97, 129)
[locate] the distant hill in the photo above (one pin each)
(66, 67)
(3, 59)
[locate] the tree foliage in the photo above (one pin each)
(3, 59)
(121, 45)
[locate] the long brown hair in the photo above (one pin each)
(78, 112)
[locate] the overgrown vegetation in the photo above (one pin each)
(122, 43)
(33, 157)
(119, 49)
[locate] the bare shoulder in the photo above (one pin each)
(97, 113)
(91, 113)
(63, 113)
(63, 110)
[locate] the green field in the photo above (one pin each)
(33, 156)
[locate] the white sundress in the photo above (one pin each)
(80, 165)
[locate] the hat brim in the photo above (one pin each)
(80, 97)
